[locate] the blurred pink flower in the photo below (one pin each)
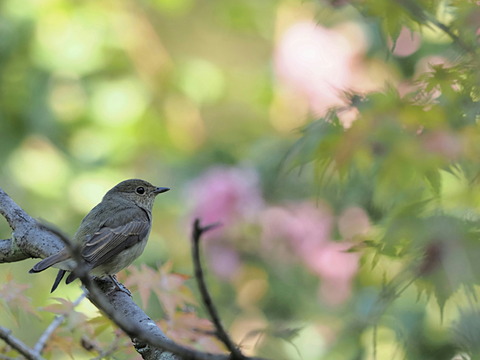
(317, 62)
(226, 194)
(443, 143)
(407, 43)
(231, 196)
(335, 292)
(223, 260)
(352, 222)
(307, 228)
(332, 262)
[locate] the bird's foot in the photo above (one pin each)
(119, 286)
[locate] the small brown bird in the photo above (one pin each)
(112, 235)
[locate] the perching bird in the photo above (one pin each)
(112, 235)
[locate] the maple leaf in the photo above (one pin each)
(188, 328)
(100, 324)
(450, 258)
(13, 298)
(63, 307)
(67, 308)
(169, 287)
(63, 343)
(143, 280)
(172, 292)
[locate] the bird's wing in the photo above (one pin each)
(108, 242)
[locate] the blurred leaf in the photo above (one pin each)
(467, 332)
(100, 324)
(444, 244)
(187, 328)
(13, 299)
(63, 307)
(283, 333)
(169, 287)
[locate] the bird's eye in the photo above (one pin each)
(140, 190)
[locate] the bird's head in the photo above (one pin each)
(139, 191)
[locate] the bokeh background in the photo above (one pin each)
(218, 100)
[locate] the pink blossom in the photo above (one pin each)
(304, 226)
(231, 196)
(335, 292)
(226, 194)
(333, 262)
(407, 43)
(307, 229)
(317, 62)
(443, 143)
(223, 260)
(352, 222)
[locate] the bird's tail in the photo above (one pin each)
(59, 278)
(49, 261)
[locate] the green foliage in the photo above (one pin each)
(392, 156)
(467, 331)
(92, 93)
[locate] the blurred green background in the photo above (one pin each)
(209, 99)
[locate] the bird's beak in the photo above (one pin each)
(160, 190)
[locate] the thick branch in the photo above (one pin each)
(14, 214)
(29, 238)
(10, 252)
(120, 308)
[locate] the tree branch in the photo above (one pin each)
(37, 240)
(17, 344)
(142, 330)
(10, 252)
(29, 239)
(220, 332)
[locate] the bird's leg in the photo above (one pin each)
(119, 286)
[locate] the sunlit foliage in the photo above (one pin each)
(337, 141)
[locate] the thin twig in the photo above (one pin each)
(222, 335)
(90, 345)
(42, 340)
(17, 344)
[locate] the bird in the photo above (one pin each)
(112, 235)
